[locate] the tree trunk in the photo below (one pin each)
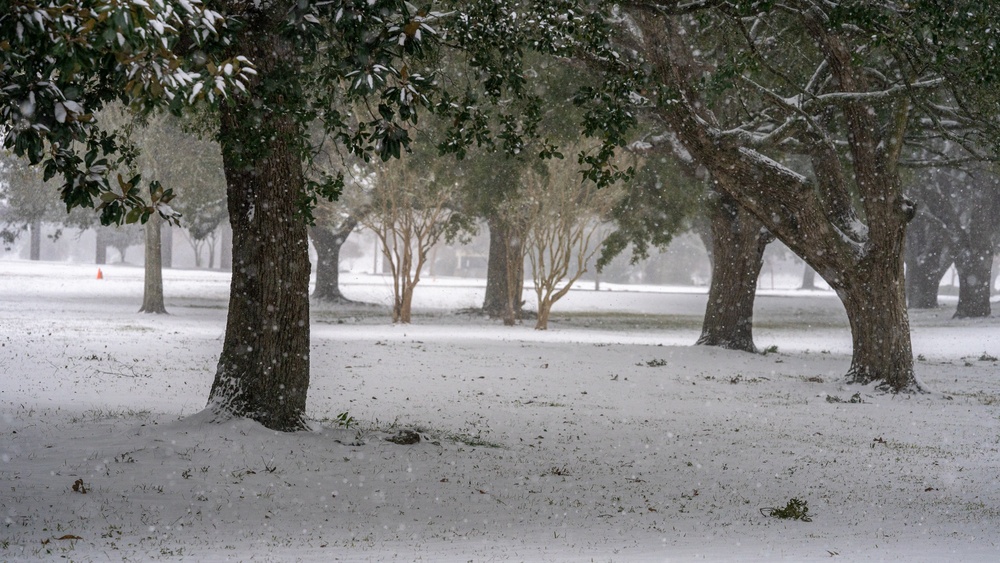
(738, 243)
(974, 261)
(226, 252)
(263, 371)
(504, 277)
(974, 276)
(152, 292)
(101, 246)
(403, 316)
(36, 240)
(544, 311)
(167, 244)
(808, 277)
(328, 245)
(994, 275)
(875, 302)
(928, 257)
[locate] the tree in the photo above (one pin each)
(564, 218)
(286, 66)
(179, 57)
(839, 102)
(662, 200)
(334, 222)
(738, 243)
(959, 224)
(412, 209)
(25, 203)
(928, 257)
(152, 294)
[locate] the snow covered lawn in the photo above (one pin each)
(607, 438)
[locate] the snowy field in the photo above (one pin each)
(607, 438)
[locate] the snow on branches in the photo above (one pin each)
(62, 61)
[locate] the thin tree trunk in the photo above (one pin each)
(544, 311)
(152, 293)
(263, 371)
(226, 258)
(738, 243)
(808, 277)
(36, 240)
(994, 275)
(101, 246)
(167, 244)
(406, 304)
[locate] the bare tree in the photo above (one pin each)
(411, 211)
(563, 229)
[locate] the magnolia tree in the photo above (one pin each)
(278, 73)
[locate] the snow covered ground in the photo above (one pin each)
(607, 438)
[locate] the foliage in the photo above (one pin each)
(795, 510)
(62, 63)
(345, 420)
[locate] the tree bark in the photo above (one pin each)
(263, 371)
(875, 302)
(504, 278)
(36, 240)
(544, 311)
(974, 261)
(738, 243)
(152, 291)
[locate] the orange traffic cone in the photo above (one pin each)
(100, 274)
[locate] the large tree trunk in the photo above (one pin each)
(36, 240)
(328, 244)
(928, 257)
(974, 261)
(817, 220)
(974, 267)
(504, 278)
(263, 371)
(875, 300)
(738, 243)
(152, 291)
